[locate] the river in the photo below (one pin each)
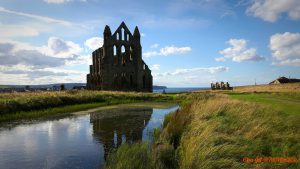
(77, 141)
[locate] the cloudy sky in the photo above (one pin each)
(186, 43)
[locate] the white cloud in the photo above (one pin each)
(13, 30)
(57, 53)
(11, 54)
(271, 10)
(211, 70)
(21, 74)
(285, 48)
(221, 59)
(155, 67)
(22, 63)
(154, 45)
(239, 52)
(94, 43)
(63, 49)
(56, 1)
(150, 54)
(199, 76)
(80, 60)
(38, 17)
(168, 50)
(60, 1)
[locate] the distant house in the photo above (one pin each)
(284, 80)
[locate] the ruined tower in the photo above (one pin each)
(118, 64)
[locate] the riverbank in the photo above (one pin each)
(217, 130)
(15, 106)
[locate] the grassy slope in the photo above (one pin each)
(288, 87)
(284, 102)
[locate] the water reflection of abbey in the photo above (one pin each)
(114, 126)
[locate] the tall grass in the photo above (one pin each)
(35, 101)
(136, 156)
(216, 131)
(33, 104)
(223, 131)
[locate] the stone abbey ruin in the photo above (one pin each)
(118, 64)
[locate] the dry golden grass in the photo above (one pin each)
(223, 131)
(288, 87)
(216, 131)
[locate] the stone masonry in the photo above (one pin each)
(118, 64)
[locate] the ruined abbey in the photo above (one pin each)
(118, 64)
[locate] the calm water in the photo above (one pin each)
(78, 141)
(179, 90)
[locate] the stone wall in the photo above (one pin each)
(118, 64)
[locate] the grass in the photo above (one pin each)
(223, 131)
(51, 111)
(15, 106)
(284, 102)
(287, 87)
(137, 156)
(219, 131)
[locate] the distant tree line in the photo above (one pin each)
(220, 86)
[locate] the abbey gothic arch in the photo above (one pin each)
(118, 64)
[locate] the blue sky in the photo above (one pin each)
(186, 43)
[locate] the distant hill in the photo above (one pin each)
(159, 87)
(67, 86)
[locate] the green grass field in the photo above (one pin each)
(284, 102)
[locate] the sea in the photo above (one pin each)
(179, 89)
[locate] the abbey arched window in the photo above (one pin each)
(123, 33)
(123, 49)
(131, 53)
(118, 36)
(115, 50)
(128, 37)
(123, 54)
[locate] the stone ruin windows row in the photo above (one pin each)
(123, 80)
(125, 54)
(123, 35)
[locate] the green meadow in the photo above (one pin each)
(285, 102)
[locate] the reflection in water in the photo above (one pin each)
(112, 127)
(76, 141)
